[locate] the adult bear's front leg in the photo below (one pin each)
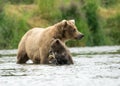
(22, 57)
(43, 57)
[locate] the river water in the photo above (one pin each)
(93, 66)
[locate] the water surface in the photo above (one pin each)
(93, 66)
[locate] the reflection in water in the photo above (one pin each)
(88, 70)
(111, 77)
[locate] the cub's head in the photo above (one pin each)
(58, 53)
(68, 30)
(57, 46)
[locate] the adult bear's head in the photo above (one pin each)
(68, 30)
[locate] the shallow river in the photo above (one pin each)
(93, 66)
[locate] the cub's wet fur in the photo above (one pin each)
(59, 54)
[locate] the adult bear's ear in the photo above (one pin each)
(72, 21)
(64, 23)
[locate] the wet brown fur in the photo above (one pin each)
(59, 53)
(35, 44)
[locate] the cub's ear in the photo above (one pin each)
(72, 21)
(57, 41)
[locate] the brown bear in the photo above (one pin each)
(35, 44)
(59, 54)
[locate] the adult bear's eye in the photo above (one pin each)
(74, 30)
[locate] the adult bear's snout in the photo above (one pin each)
(80, 36)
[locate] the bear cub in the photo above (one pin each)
(59, 54)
